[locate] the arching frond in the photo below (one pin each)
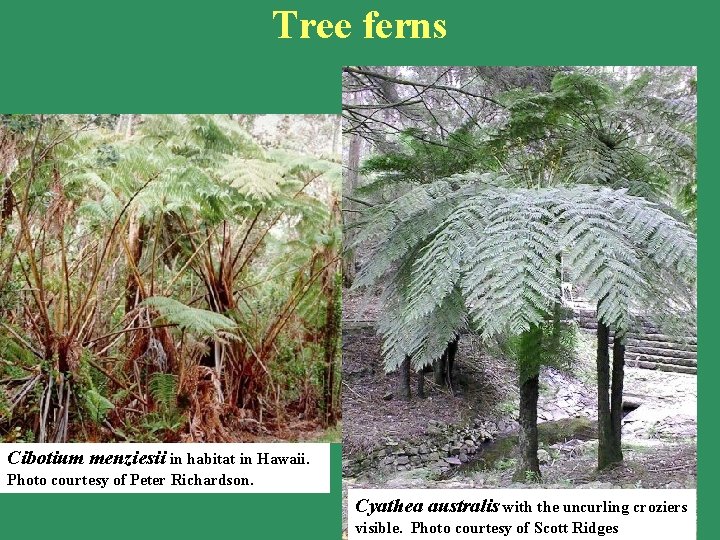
(190, 319)
(409, 221)
(254, 178)
(495, 255)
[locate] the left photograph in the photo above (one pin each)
(170, 278)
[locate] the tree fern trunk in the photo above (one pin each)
(421, 383)
(605, 433)
(528, 467)
(439, 367)
(404, 390)
(616, 398)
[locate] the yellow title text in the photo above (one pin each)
(291, 25)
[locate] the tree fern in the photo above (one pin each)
(591, 131)
(295, 163)
(495, 255)
(255, 178)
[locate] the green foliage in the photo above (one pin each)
(508, 408)
(19, 123)
(158, 425)
(547, 344)
(195, 320)
(421, 160)
(491, 254)
(167, 418)
(9, 296)
(297, 164)
(505, 464)
(331, 435)
(589, 130)
(16, 435)
(17, 359)
(532, 477)
(96, 405)
(163, 389)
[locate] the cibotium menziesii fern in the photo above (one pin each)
(476, 253)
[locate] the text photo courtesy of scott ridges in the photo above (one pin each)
(169, 279)
(519, 301)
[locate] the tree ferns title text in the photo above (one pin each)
(291, 25)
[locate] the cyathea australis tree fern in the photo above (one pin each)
(595, 131)
(490, 254)
(489, 249)
(589, 130)
(551, 343)
(466, 252)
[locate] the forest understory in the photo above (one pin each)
(169, 278)
(660, 426)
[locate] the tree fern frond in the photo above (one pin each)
(409, 222)
(424, 339)
(254, 178)
(190, 319)
(437, 269)
(510, 273)
(97, 405)
(294, 163)
(163, 389)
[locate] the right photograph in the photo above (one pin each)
(519, 277)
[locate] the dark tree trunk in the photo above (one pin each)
(443, 366)
(404, 390)
(616, 399)
(439, 367)
(421, 383)
(451, 352)
(528, 467)
(605, 431)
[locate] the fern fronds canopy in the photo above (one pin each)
(490, 257)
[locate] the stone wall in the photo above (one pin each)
(445, 446)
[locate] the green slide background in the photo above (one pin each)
(220, 56)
